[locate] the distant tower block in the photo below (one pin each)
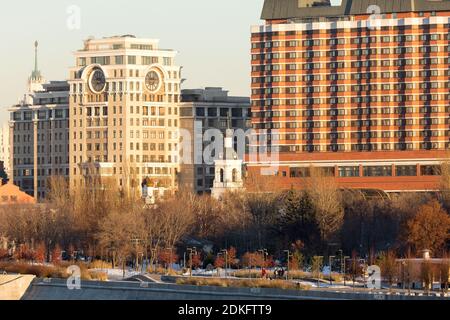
(228, 170)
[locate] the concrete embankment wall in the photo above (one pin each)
(57, 290)
(13, 287)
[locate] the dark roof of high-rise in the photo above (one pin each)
(289, 9)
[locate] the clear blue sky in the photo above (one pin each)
(212, 37)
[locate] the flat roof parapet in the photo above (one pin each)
(291, 9)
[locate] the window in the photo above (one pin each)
(345, 172)
(100, 60)
(237, 113)
(118, 59)
(235, 175)
(224, 112)
(299, 172)
(212, 112)
(200, 112)
(82, 62)
(406, 171)
(131, 59)
(379, 171)
(430, 170)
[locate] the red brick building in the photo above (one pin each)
(364, 96)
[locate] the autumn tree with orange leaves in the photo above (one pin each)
(219, 262)
(429, 229)
(41, 253)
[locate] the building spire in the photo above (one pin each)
(230, 153)
(36, 74)
(36, 44)
(229, 120)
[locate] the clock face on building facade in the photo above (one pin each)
(152, 81)
(97, 81)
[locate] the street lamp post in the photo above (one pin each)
(403, 275)
(289, 256)
(170, 259)
(154, 258)
(219, 254)
(135, 241)
(330, 260)
(365, 267)
(343, 269)
(225, 252)
(192, 251)
(142, 262)
(320, 267)
(265, 254)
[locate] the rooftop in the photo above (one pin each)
(120, 42)
(53, 86)
(291, 9)
(211, 94)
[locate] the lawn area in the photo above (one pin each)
(237, 283)
(50, 271)
(293, 275)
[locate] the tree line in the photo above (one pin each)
(106, 222)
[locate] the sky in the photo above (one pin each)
(212, 38)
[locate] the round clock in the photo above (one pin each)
(152, 81)
(97, 81)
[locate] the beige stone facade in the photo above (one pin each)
(124, 95)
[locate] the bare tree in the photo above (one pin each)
(117, 231)
(58, 192)
(389, 267)
(444, 271)
(327, 201)
(235, 220)
(426, 275)
(263, 209)
(178, 217)
(208, 217)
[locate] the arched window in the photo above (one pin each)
(235, 175)
(222, 174)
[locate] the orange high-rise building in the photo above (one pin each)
(360, 89)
